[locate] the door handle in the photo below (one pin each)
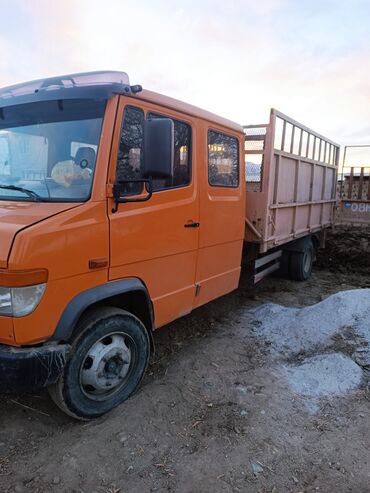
(191, 225)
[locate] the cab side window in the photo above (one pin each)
(223, 160)
(182, 156)
(130, 155)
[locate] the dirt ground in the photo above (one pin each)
(213, 413)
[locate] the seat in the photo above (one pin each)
(85, 158)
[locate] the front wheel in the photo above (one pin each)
(109, 357)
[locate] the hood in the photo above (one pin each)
(15, 216)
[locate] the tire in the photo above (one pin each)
(301, 262)
(109, 357)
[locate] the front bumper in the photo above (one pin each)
(31, 368)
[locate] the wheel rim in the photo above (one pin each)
(106, 366)
(307, 260)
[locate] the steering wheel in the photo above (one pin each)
(83, 163)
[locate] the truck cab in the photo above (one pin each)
(120, 211)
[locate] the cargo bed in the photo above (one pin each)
(291, 175)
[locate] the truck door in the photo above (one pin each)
(152, 240)
(222, 215)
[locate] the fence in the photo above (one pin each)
(353, 206)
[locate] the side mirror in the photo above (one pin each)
(158, 159)
(158, 148)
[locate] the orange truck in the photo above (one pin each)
(122, 210)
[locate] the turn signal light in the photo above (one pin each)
(21, 278)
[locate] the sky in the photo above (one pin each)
(238, 58)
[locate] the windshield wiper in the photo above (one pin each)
(35, 196)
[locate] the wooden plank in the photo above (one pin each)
(296, 179)
(314, 149)
(298, 204)
(279, 240)
(300, 143)
(350, 184)
(303, 159)
(310, 196)
(277, 168)
(361, 184)
(283, 135)
(292, 140)
(308, 144)
(323, 195)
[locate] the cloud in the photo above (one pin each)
(236, 59)
(5, 62)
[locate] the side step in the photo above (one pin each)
(272, 261)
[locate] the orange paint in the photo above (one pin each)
(84, 245)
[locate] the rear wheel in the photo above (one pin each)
(301, 262)
(108, 360)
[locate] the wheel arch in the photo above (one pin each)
(129, 294)
(316, 241)
(300, 244)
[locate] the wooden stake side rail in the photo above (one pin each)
(294, 190)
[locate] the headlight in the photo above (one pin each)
(5, 301)
(18, 302)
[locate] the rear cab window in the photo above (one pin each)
(223, 160)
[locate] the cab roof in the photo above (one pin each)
(189, 109)
(98, 85)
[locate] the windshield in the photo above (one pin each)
(48, 150)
